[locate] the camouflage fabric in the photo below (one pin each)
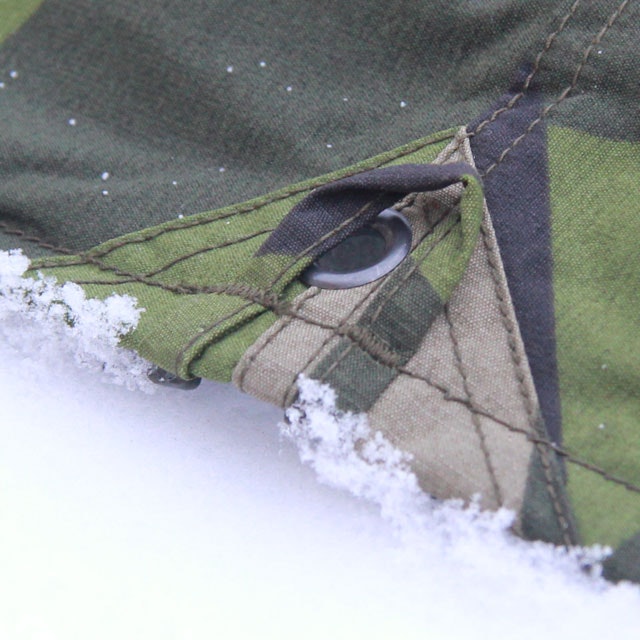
(139, 141)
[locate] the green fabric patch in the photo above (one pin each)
(595, 230)
(14, 13)
(207, 295)
(394, 323)
(356, 377)
(404, 308)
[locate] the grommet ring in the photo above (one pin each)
(366, 255)
(168, 379)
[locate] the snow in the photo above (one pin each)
(128, 514)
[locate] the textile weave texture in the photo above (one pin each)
(200, 157)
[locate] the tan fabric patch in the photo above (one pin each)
(441, 406)
(270, 367)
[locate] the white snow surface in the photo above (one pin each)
(128, 514)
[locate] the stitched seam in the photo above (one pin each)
(95, 261)
(309, 186)
(11, 231)
(474, 416)
(566, 92)
(292, 391)
(536, 67)
(314, 292)
(327, 236)
(418, 263)
(222, 245)
(299, 257)
(369, 343)
(527, 401)
(193, 341)
(536, 439)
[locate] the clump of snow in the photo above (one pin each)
(345, 453)
(58, 324)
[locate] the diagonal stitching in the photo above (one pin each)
(374, 163)
(474, 416)
(311, 293)
(566, 92)
(536, 67)
(93, 260)
(417, 264)
(534, 438)
(559, 509)
(11, 231)
(378, 285)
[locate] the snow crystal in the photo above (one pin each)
(329, 145)
(57, 323)
(289, 88)
(105, 192)
(13, 74)
(344, 453)
(403, 104)
(230, 69)
(72, 122)
(1, 85)
(263, 64)
(105, 175)
(221, 169)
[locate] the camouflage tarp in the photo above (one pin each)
(503, 353)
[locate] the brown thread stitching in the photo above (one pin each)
(279, 276)
(327, 236)
(536, 67)
(447, 396)
(564, 94)
(535, 437)
(34, 239)
(309, 295)
(291, 391)
(474, 416)
(309, 186)
(192, 342)
(418, 263)
(222, 245)
(341, 328)
(520, 376)
(93, 259)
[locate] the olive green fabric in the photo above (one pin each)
(13, 13)
(445, 379)
(207, 290)
(123, 122)
(595, 195)
(168, 92)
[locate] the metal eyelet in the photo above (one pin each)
(168, 379)
(366, 255)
